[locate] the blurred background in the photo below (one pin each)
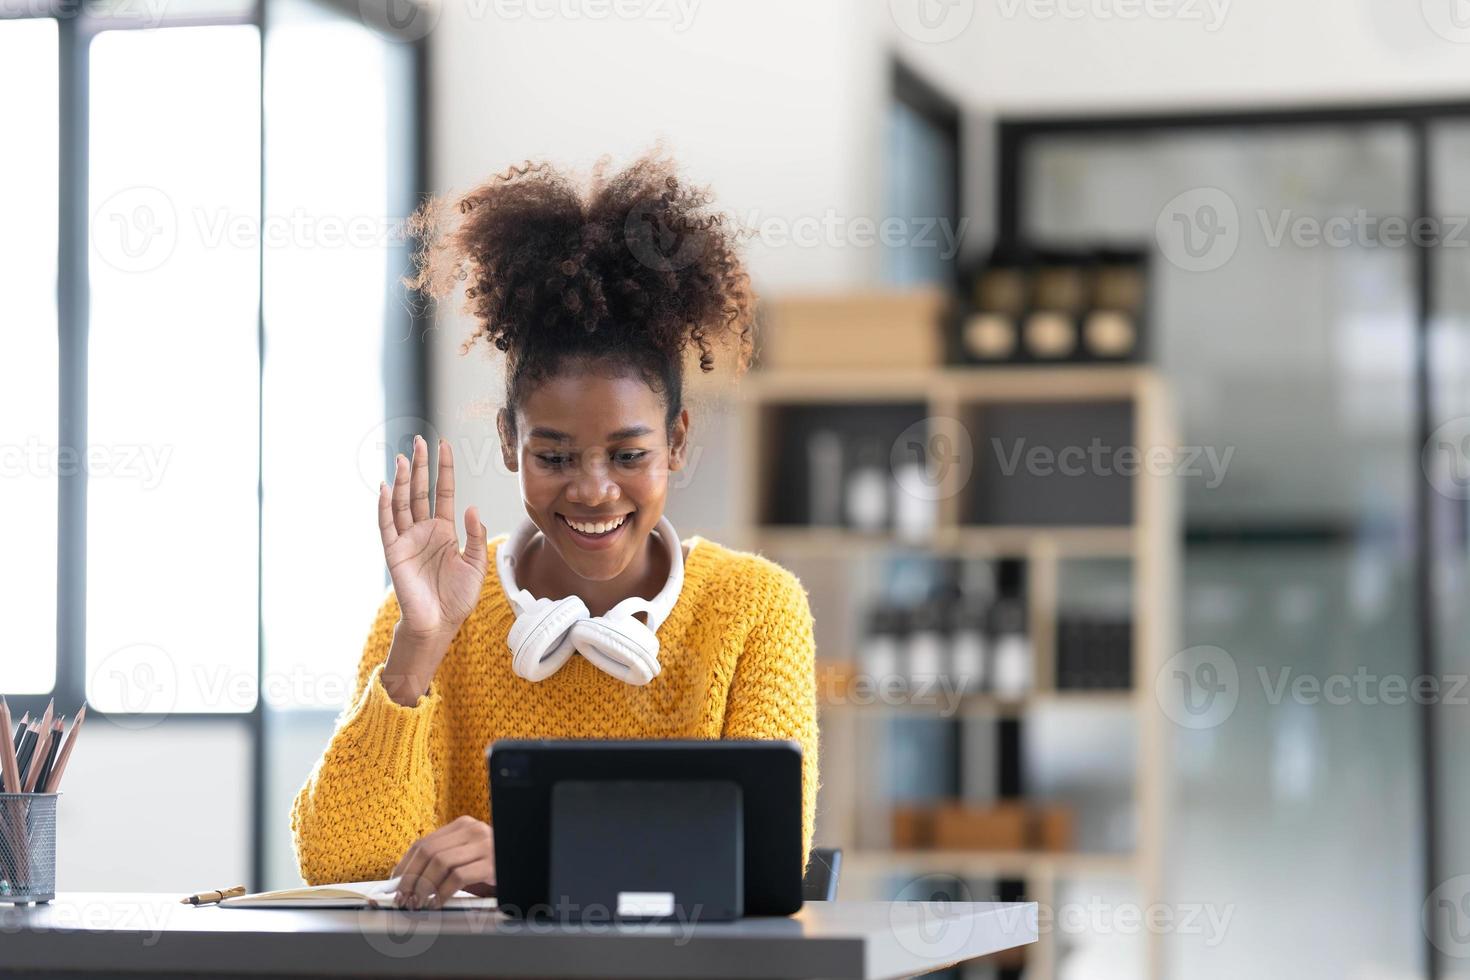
(1113, 406)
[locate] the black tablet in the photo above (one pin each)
(766, 777)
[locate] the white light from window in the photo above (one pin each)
(326, 289)
(29, 454)
(173, 370)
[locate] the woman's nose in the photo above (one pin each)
(593, 485)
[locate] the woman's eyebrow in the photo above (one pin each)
(556, 435)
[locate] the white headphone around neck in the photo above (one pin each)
(548, 631)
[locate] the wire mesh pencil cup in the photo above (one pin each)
(27, 847)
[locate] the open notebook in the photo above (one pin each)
(351, 895)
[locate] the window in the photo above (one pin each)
(216, 360)
(173, 370)
(337, 152)
(29, 457)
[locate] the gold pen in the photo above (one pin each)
(210, 898)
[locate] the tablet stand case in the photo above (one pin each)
(647, 850)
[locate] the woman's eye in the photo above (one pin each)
(554, 460)
(631, 458)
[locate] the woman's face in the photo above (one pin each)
(593, 451)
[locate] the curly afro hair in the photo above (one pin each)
(632, 272)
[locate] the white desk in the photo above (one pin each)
(86, 934)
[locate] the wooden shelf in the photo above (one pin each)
(980, 864)
(855, 810)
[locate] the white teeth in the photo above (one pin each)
(598, 528)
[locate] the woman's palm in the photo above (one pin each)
(437, 585)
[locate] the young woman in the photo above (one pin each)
(591, 619)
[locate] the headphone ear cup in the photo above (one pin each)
(540, 640)
(548, 664)
(622, 643)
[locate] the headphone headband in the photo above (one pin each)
(658, 608)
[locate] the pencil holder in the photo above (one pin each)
(27, 847)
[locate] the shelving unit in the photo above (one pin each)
(952, 401)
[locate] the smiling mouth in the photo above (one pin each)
(595, 530)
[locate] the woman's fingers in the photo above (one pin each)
(418, 497)
(402, 518)
(475, 544)
(474, 869)
(434, 885)
(422, 868)
(385, 515)
(415, 849)
(444, 490)
(416, 858)
(430, 868)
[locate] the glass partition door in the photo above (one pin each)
(1284, 324)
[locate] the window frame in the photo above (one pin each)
(909, 88)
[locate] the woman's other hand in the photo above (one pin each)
(458, 856)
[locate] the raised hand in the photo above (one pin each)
(436, 583)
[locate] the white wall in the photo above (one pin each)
(776, 105)
(1018, 56)
(156, 806)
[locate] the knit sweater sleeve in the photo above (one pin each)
(376, 788)
(773, 694)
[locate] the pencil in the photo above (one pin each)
(23, 757)
(43, 746)
(17, 868)
(54, 779)
(57, 727)
(24, 721)
(9, 767)
(46, 719)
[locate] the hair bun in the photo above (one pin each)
(633, 264)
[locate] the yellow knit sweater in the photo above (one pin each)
(737, 655)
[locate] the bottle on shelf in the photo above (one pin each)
(927, 647)
(867, 489)
(970, 649)
(880, 658)
(824, 478)
(914, 510)
(1011, 660)
(969, 646)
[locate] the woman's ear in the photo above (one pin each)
(679, 441)
(508, 452)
